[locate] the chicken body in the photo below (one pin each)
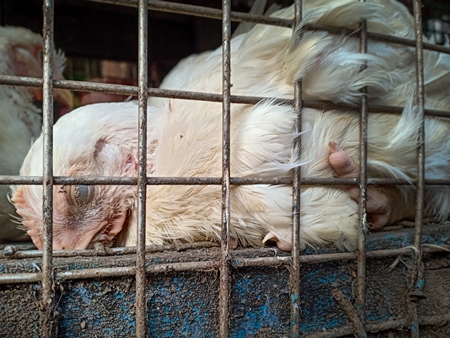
(184, 139)
(21, 52)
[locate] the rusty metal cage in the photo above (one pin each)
(47, 281)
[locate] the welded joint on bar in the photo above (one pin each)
(364, 223)
(352, 313)
(99, 249)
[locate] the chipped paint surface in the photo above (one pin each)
(185, 304)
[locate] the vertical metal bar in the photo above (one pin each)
(294, 276)
(420, 93)
(224, 292)
(361, 253)
(47, 320)
(142, 171)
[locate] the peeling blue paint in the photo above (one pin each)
(260, 317)
(420, 284)
(186, 304)
(178, 306)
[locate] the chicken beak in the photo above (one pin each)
(64, 98)
(104, 232)
(74, 241)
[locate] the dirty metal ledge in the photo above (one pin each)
(236, 262)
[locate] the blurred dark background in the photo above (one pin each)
(100, 40)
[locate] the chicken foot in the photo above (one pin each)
(385, 205)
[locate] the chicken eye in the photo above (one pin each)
(80, 194)
(39, 54)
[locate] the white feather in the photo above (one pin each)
(185, 137)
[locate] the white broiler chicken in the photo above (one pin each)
(21, 55)
(184, 139)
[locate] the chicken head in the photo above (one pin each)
(84, 214)
(24, 55)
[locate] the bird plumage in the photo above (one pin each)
(184, 139)
(21, 55)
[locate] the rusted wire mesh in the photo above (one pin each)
(227, 261)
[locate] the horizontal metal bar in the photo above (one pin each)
(114, 180)
(236, 262)
(208, 265)
(153, 92)
(213, 13)
(328, 105)
(13, 80)
(200, 11)
(11, 252)
(131, 270)
(374, 108)
(185, 266)
(28, 180)
(377, 37)
(108, 88)
(97, 272)
(70, 180)
(118, 271)
(388, 325)
(261, 261)
(19, 278)
(201, 96)
(398, 110)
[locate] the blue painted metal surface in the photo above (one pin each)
(185, 304)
